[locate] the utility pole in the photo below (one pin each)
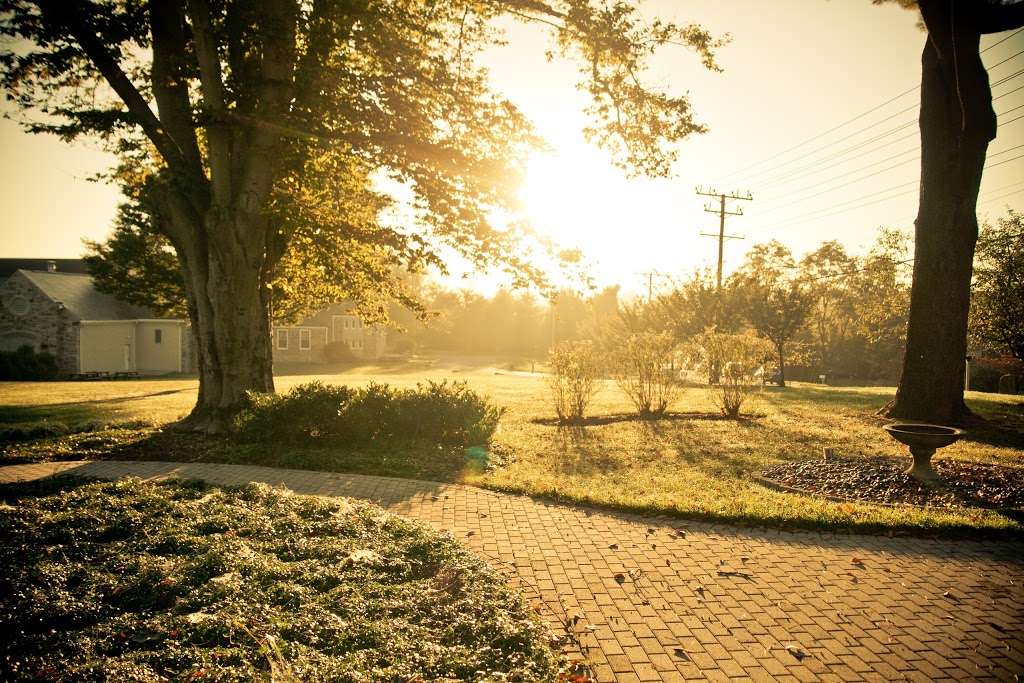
(722, 213)
(649, 274)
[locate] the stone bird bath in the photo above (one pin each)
(923, 440)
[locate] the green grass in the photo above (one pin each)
(141, 581)
(698, 467)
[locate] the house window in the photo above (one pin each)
(305, 340)
(282, 340)
(158, 336)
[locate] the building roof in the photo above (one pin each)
(81, 299)
(9, 266)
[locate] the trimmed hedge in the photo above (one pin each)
(444, 413)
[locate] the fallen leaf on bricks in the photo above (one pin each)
(620, 578)
(796, 652)
(681, 654)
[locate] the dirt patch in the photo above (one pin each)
(885, 481)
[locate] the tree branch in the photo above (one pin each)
(212, 86)
(169, 79)
(69, 16)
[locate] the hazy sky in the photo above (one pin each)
(794, 70)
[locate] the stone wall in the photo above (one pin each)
(27, 316)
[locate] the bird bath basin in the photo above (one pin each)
(923, 440)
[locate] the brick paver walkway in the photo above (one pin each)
(659, 600)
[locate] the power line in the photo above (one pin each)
(872, 110)
(815, 165)
(1003, 40)
(872, 174)
(1008, 78)
(863, 168)
(812, 215)
(856, 133)
(1008, 92)
(1002, 196)
(843, 175)
(1013, 56)
(823, 134)
(853, 271)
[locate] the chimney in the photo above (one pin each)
(51, 266)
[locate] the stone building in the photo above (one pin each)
(63, 314)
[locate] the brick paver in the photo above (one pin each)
(662, 600)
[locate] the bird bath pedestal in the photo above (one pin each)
(923, 440)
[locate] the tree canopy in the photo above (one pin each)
(235, 113)
(997, 293)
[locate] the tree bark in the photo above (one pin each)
(780, 348)
(957, 122)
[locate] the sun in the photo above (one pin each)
(575, 197)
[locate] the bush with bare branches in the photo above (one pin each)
(740, 357)
(642, 367)
(575, 369)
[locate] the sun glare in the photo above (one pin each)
(577, 199)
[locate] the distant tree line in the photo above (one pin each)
(828, 313)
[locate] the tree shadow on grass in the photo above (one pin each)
(830, 396)
(994, 432)
(390, 458)
(81, 410)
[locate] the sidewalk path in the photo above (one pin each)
(714, 602)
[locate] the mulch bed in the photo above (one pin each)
(884, 480)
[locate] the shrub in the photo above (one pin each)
(642, 367)
(438, 412)
(740, 358)
(26, 364)
(304, 412)
(574, 372)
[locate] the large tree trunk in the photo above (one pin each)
(233, 331)
(957, 123)
(230, 315)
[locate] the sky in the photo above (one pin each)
(814, 115)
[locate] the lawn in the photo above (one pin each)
(142, 581)
(696, 466)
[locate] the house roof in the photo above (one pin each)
(81, 299)
(9, 266)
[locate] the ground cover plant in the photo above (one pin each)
(697, 465)
(144, 581)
